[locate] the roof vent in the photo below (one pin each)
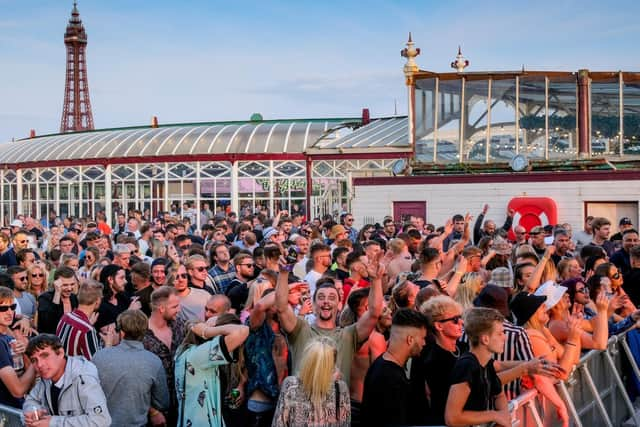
(366, 118)
(32, 133)
(154, 121)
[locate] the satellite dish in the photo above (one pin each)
(399, 167)
(519, 163)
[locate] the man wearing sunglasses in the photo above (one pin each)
(12, 386)
(199, 276)
(238, 289)
(26, 301)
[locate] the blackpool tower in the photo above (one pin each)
(76, 111)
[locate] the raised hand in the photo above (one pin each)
(602, 302)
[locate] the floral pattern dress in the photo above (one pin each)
(295, 409)
(198, 384)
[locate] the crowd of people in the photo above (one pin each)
(289, 321)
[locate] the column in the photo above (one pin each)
(19, 191)
(584, 105)
(108, 203)
(235, 204)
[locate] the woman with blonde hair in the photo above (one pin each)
(470, 286)
(569, 268)
(265, 280)
(37, 274)
(315, 397)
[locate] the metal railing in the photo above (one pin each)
(595, 392)
(10, 417)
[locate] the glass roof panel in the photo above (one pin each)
(200, 142)
(124, 142)
(239, 138)
(195, 139)
(278, 139)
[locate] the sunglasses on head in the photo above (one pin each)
(5, 308)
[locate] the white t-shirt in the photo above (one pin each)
(311, 278)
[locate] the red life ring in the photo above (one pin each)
(531, 212)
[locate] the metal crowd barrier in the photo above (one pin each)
(10, 417)
(595, 392)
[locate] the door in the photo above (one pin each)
(613, 211)
(403, 210)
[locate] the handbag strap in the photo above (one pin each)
(337, 387)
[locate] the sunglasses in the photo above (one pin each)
(37, 275)
(200, 269)
(5, 308)
(454, 319)
(584, 290)
(22, 278)
(247, 265)
(182, 276)
(185, 247)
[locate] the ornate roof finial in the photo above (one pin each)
(460, 63)
(410, 52)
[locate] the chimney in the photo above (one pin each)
(154, 121)
(32, 133)
(366, 119)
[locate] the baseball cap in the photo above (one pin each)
(625, 221)
(537, 230)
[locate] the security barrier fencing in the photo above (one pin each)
(595, 393)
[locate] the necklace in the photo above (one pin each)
(455, 353)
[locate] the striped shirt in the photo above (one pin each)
(517, 347)
(78, 336)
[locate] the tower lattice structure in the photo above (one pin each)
(76, 111)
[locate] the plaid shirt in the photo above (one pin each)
(222, 278)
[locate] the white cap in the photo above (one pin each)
(553, 293)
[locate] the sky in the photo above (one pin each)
(207, 60)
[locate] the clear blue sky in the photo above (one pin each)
(204, 60)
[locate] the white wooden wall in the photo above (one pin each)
(444, 200)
